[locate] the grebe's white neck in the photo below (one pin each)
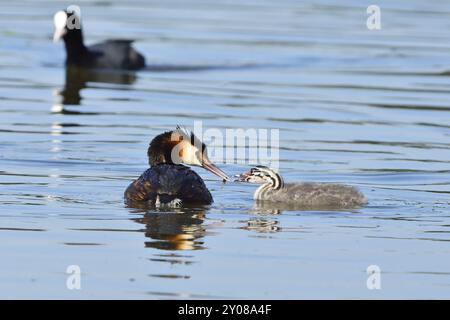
(272, 181)
(259, 193)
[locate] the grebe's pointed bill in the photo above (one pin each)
(208, 165)
(60, 21)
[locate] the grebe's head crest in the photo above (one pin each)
(181, 146)
(263, 175)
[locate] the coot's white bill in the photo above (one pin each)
(60, 21)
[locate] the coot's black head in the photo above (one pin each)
(181, 146)
(68, 27)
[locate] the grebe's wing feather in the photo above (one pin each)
(180, 182)
(141, 189)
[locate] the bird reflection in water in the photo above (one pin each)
(183, 229)
(263, 208)
(262, 225)
(174, 229)
(77, 79)
(263, 222)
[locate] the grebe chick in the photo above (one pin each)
(167, 181)
(110, 54)
(301, 195)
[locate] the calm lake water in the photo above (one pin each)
(367, 108)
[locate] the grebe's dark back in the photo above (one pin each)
(167, 181)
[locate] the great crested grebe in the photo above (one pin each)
(301, 195)
(167, 181)
(110, 54)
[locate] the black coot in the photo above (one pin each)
(110, 54)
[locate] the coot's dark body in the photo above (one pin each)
(165, 183)
(109, 54)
